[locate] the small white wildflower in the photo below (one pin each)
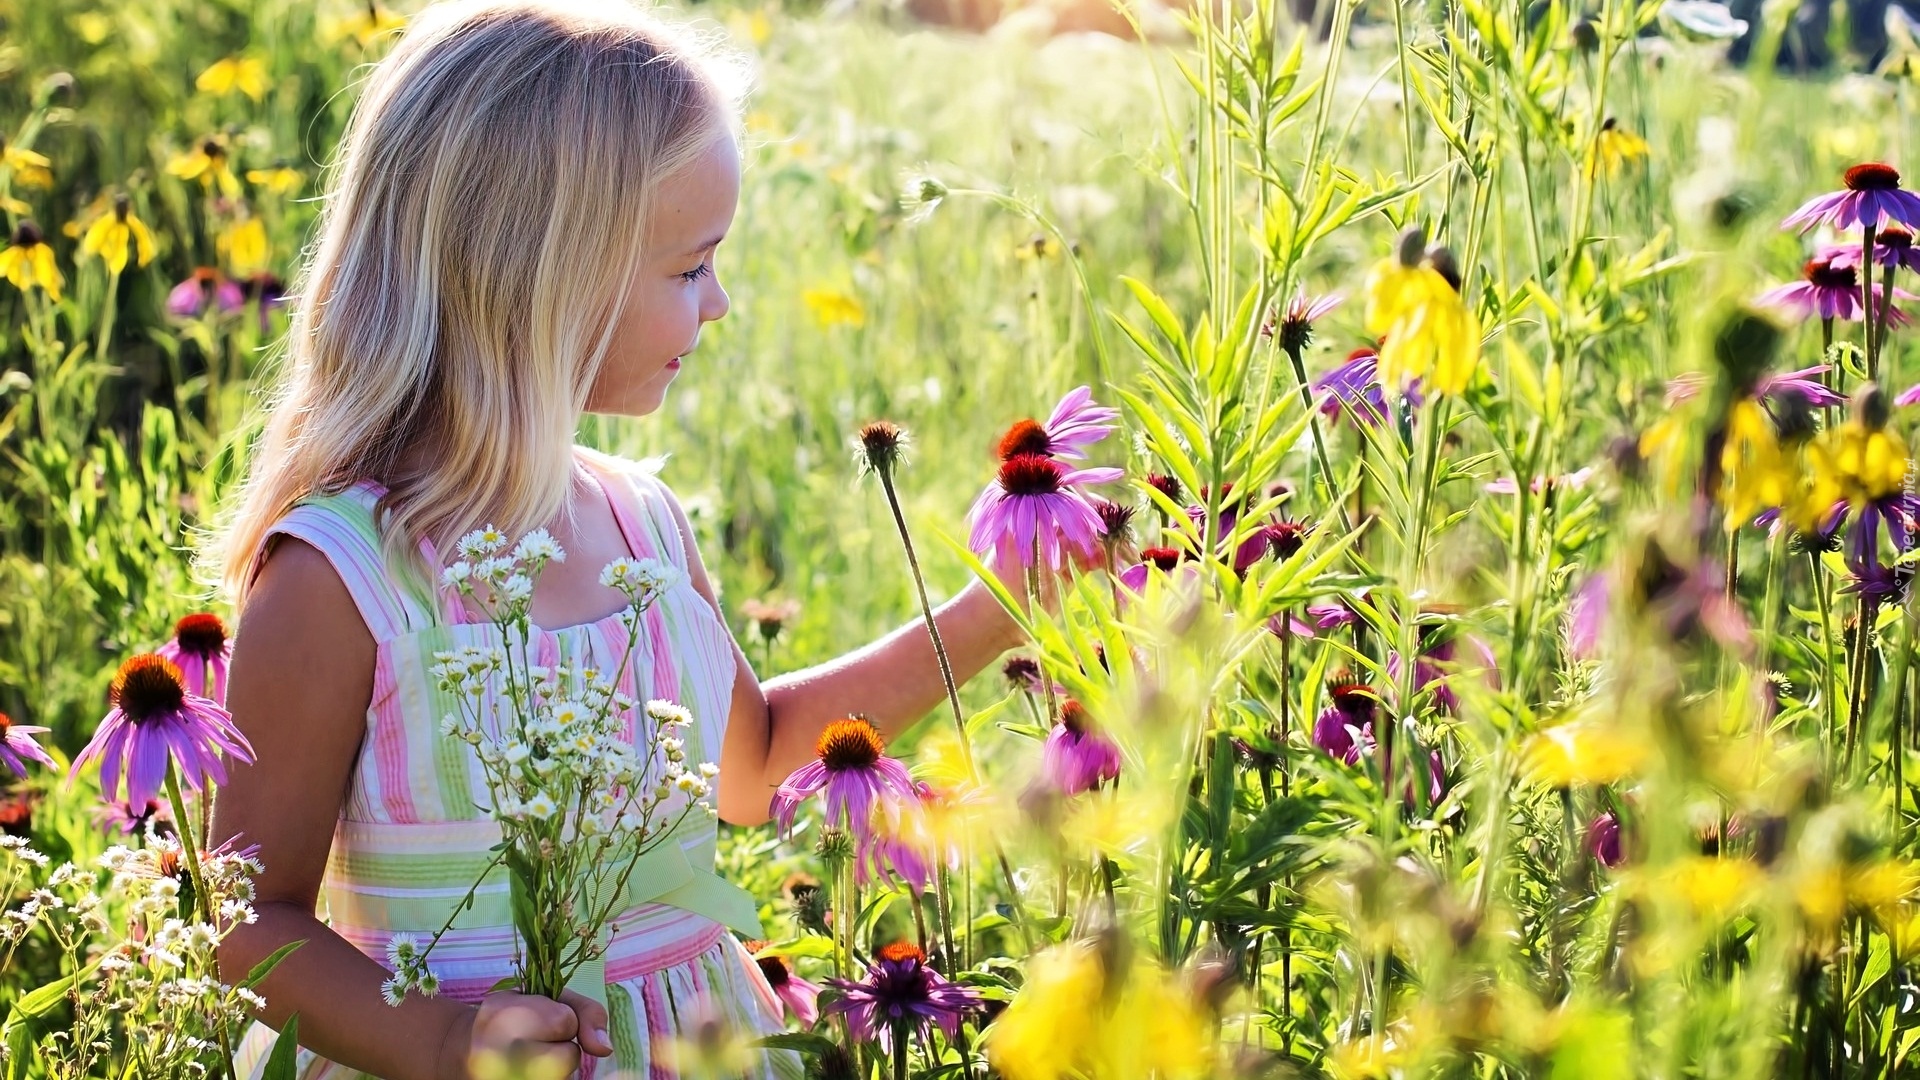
(539, 546)
(253, 1000)
(709, 770)
(449, 724)
(668, 714)
(517, 587)
(428, 983)
(616, 573)
(393, 990)
(542, 806)
(457, 575)
(481, 542)
(401, 951)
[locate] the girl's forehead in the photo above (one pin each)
(696, 204)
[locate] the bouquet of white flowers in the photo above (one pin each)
(578, 803)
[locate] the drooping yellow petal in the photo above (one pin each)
(1755, 471)
(108, 239)
(279, 181)
(28, 167)
(142, 240)
(15, 206)
(247, 75)
(244, 244)
(27, 265)
(1429, 331)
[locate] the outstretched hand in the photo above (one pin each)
(526, 1035)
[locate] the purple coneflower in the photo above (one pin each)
(1893, 249)
(1333, 616)
(154, 717)
(1345, 727)
(1572, 481)
(1354, 387)
(1164, 559)
(1166, 485)
(1035, 502)
(1899, 515)
(1295, 324)
(1078, 755)
(1587, 616)
(861, 782)
(1603, 840)
(1829, 291)
(205, 286)
(1437, 659)
(802, 998)
(17, 746)
(901, 993)
(1075, 424)
(201, 650)
(114, 816)
(1802, 384)
(1872, 196)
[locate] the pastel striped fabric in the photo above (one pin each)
(412, 835)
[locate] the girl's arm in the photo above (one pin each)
(894, 681)
(301, 678)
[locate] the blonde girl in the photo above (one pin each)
(520, 228)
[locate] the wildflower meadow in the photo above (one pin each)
(1450, 461)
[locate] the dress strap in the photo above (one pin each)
(640, 504)
(342, 526)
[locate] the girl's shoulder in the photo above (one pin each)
(650, 494)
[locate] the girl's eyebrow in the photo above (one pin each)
(715, 242)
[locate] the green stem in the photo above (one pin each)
(933, 628)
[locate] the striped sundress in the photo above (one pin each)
(412, 835)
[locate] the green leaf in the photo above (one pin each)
(265, 967)
(280, 1063)
(797, 1041)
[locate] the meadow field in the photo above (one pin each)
(1500, 335)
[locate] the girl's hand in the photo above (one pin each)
(512, 1034)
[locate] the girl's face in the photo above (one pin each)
(676, 290)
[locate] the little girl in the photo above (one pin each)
(520, 228)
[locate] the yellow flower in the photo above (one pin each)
(112, 233)
(831, 307)
(208, 164)
(1068, 1022)
(1582, 752)
(1430, 332)
(244, 244)
(15, 206)
(367, 25)
(278, 180)
(1716, 887)
(28, 167)
(1369, 1057)
(247, 75)
(755, 27)
(1613, 148)
(1754, 471)
(29, 261)
(1852, 462)
(1036, 247)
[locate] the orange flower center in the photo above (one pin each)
(1872, 176)
(1025, 437)
(202, 634)
(901, 952)
(852, 743)
(774, 968)
(148, 686)
(1073, 717)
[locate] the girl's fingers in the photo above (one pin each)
(592, 1022)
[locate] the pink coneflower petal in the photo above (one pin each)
(1076, 423)
(17, 746)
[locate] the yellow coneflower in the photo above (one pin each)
(1857, 462)
(245, 74)
(207, 163)
(28, 261)
(112, 233)
(367, 25)
(1613, 147)
(1429, 330)
(1039, 246)
(1755, 473)
(244, 246)
(1583, 752)
(832, 307)
(278, 180)
(27, 167)
(1074, 1017)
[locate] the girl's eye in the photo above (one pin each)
(697, 273)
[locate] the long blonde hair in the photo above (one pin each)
(483, 216)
